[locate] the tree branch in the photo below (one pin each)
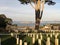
(42, 5)
(42, 8)
(39, 4)
(32, 5)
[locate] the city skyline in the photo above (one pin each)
(18, 12)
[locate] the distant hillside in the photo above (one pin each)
(31, 23)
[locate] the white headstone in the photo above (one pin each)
(51, 35)
(56, 42)
(17, 41)
(41, 37)
(39, 41)
(48, 41)
(12, 34)
(25, 43)
(20, 42)
(37, 36)
(33, 40)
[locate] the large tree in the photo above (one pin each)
(4, 21)
(38, 5)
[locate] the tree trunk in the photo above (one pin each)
(37, 19)
(38, 13)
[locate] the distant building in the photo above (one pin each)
(47, 27)
(55, 26)
(51, 27)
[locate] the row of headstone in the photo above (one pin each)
(51, 31)
(47, 42)
(48, 38)
(19, 42)
(40, 34)
(36, 36)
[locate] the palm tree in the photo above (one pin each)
(38, 5)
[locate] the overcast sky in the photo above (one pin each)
(18, 12)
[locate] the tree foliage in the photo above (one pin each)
(4, 21)
(8, 21)
(49, 2)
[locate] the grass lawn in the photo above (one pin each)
(7, 40)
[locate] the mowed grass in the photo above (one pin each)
(4, 37)
(8, 40)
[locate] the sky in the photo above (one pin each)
(19, 12)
